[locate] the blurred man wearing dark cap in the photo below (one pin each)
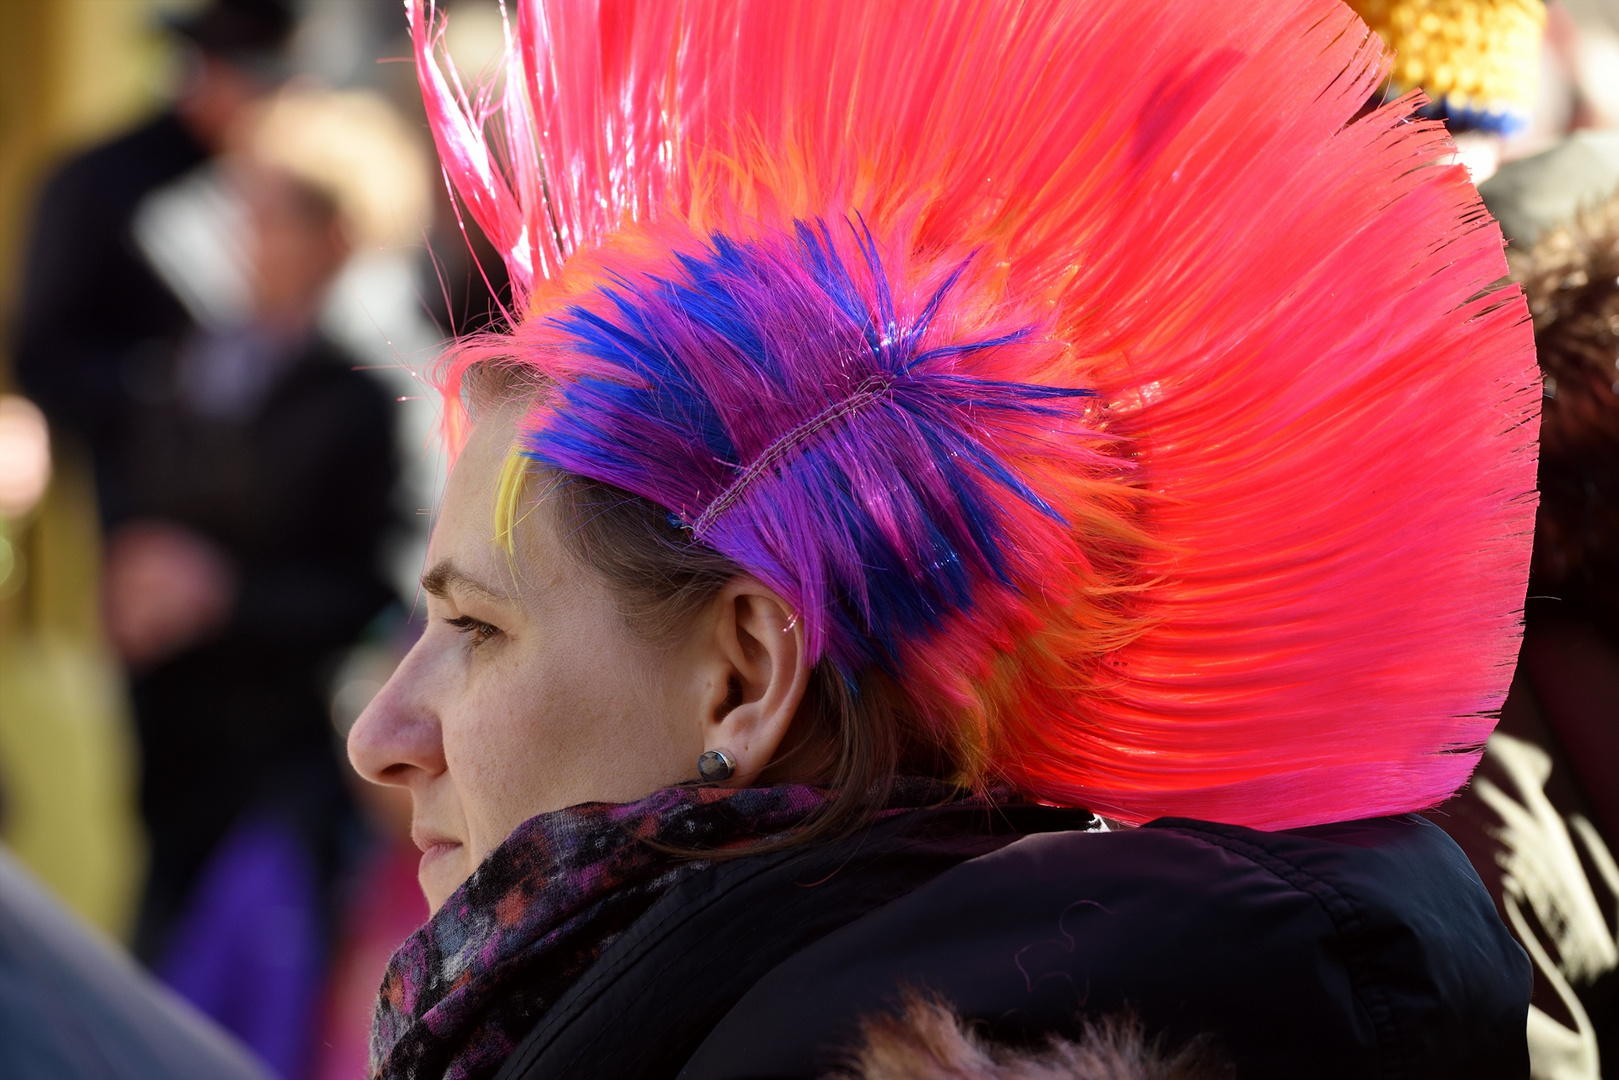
(94, 312)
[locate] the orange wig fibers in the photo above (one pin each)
(1263, 564)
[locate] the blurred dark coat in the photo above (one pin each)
(94, 317)
(298, 492)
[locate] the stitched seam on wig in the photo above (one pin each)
(870, 390)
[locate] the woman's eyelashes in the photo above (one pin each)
(476, 630)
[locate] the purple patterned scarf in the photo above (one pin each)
(462, 991)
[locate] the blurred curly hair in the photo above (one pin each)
(1571, 277)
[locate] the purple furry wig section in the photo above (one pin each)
(836, 439)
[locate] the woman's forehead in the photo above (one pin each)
(465, 529)
(470, 535)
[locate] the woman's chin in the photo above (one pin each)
(442, 870)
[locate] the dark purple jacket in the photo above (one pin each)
(1357, 950)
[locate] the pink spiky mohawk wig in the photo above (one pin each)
(1085, 365)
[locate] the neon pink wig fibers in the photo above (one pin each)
(1085, 364)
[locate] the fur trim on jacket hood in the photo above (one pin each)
(928, 1041)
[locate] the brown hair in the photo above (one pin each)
(853, 738)
(1571, 278)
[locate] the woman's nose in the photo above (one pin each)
(397, 738)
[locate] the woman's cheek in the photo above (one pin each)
(497, 746)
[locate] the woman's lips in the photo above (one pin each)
(433, 847)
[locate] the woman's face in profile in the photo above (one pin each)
(527, 692)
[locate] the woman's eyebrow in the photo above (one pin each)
(444, 577)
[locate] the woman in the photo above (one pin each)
(921, 426)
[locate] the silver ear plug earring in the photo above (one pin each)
(716, 765)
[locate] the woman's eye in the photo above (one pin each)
(476, 630)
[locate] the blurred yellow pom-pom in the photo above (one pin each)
(1480, 58)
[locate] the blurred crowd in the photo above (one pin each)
(212, 442)
(216, 472)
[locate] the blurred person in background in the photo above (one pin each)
(97, 318)
(221, 260)
(91, 313)
(257, 476)
(1540, 819)
(95, 314)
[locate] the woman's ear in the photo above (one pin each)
(760, 674)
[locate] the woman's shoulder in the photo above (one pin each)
(1357, 949)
